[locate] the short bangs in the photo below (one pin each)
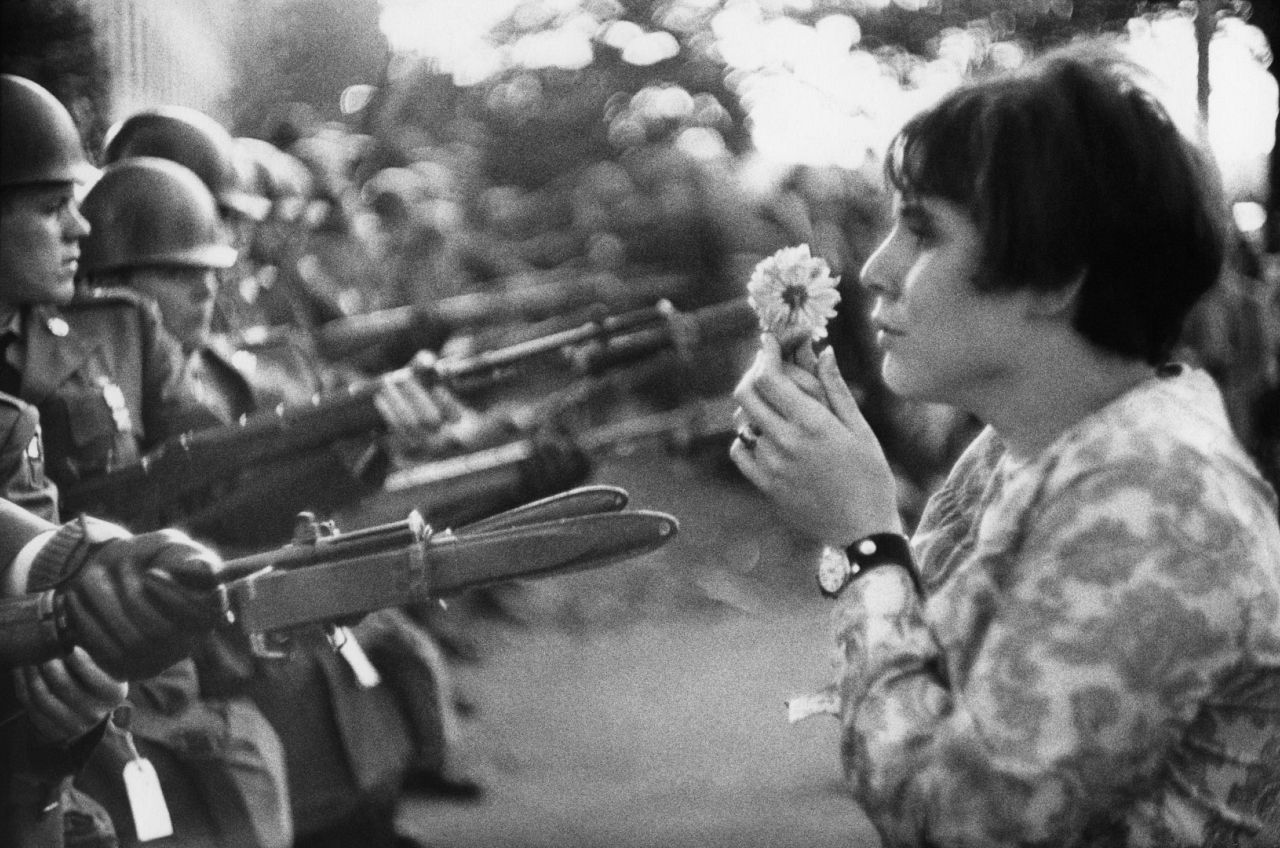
(1070, 167)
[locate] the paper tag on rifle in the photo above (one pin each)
(146, 800)
(366, 675)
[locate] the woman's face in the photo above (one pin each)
(943, 340)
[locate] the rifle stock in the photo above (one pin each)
(152, 492)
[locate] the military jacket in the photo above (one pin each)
(345, 743)
(22, 459)
(257, 509)
(107, 380)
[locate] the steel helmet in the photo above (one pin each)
(147, 212)
(39, 143)
(191, 138)
(281, 178)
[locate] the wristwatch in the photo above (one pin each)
(840, 567)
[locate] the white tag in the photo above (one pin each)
(146, 800)
(366, 675)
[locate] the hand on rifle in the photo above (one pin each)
(421, 419)
(556, 463)
(67, 697)
(136, 604)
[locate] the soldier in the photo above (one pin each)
(348, 739)
(55, 716)
(57, 712)
(246, 297)
(83, 608)
(107, 381)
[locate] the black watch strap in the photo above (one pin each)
(862, 556)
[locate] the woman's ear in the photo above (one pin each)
(1059, 302)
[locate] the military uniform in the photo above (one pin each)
(258, 509)
(348, 737)
(39, 806)
(106, 379)
(108, 382)
(22, 459)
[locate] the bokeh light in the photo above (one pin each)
(813, 92)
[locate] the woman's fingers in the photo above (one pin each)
(839, 398)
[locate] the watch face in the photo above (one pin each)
(833, 570)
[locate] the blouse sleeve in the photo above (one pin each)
(1090, 651)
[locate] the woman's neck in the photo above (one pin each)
(1055, 392)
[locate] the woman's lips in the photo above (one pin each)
(886, 334)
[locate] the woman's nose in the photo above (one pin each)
(879, 273)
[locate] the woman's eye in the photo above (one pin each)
(919, 231)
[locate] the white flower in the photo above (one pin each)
(794, 295)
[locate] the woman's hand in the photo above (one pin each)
(68, 697)
(814, 455)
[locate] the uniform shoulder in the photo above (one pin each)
(105, 309)
(19, 423)
(90, 297)
(9, 402)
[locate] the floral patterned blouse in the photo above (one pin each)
(1097, 659)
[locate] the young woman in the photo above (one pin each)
(1080, 645)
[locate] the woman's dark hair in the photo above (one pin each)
(1069, 166)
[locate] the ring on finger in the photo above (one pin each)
(749, 436)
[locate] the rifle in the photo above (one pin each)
(422, 326)
(152, 491)
(323, 576)
(460, 488)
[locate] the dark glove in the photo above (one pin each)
(137, 604)
(557, 463)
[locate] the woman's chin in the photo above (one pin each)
(900, 378)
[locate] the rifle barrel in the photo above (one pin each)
(697, 418)
(346, 336)
(682, 331)
(151, 491)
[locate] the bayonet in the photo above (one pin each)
(325, 575)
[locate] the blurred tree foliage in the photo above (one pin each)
(53, 43)
(535, 123)
(297, 58)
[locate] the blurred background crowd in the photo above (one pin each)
(410, 152)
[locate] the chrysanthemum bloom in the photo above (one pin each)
(794, 295)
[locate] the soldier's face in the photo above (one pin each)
(185, 298)
(40, 231)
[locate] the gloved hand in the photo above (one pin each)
(67, 697)
(137, 604)
(426, 421)
(556, 464)
(413, 413)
